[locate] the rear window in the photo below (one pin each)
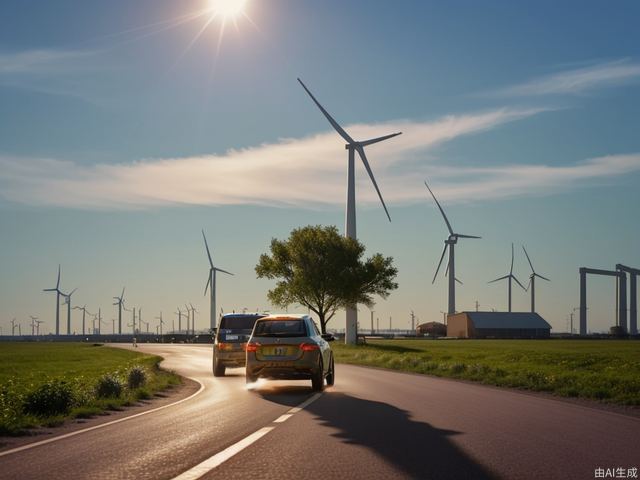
(280, 328)
(236, 328)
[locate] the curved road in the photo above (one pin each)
(371, 424)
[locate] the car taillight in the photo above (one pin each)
(309, 347)
(252, 347)
(225, 346)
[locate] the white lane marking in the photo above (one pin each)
(102, 425)
(221, 457)
(212, 462)
(283, 418)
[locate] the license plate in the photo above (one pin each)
(280, 351)
(232, 337)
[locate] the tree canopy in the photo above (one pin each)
(320, 269)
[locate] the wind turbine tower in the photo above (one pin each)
(67, 300)
(509, 277)
(33, 324)
(532, 282)
(211, 284)
(352, 146)
(449, 244)
(84, 314)
(119, 303)
(58, 293)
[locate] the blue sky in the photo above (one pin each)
(121, 137)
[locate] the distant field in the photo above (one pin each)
(604, 370)
(24, 367)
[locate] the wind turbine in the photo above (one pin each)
(33, 324)
(84, 313)
(119, 303)
(450, 244)
(352, 147)
(133, 325)
(179, 313)
(58, 293)
(38, 322)
(161, 322)
(13, 327)
(509, 277)
(532, 281)
(193, 318)
(211, 281)
(67, 301)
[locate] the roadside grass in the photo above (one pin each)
(26, 367)
(603, 370)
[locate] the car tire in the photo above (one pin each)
(218, 368)
(317, 380)
(331, 375)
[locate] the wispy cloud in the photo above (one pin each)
(307, 172)
(576, 81)
(43, 61)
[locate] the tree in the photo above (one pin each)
(318, 268)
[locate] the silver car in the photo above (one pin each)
(290, 347)
(230, 340)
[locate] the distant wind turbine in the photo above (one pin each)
(84, 314)
(67, 301)
(38, 322)
(33, 324)
(193, 319)
(350, 222)
(450, 244)
(161, 322)
(13, 327)
(211, 281)
(532, 281)
(509, 277)
(58, 293)
(119, 303)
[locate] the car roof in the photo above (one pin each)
(286, 316)
(231, 315)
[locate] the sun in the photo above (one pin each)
(227, 9)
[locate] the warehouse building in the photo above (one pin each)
(497, 325)
(432, 329)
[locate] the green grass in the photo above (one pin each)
(26, 366)
(603, 370)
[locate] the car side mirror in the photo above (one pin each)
(328, 337)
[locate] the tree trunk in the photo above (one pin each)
(323, 322)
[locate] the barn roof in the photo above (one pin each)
(507, 320)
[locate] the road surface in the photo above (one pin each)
(371, 424)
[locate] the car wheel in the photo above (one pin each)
(218, 368)
(331, 375)
(317, 380)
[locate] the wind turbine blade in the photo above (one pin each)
(379, 139)
(208, 282)
(458, 281)
(511, 271)
(221, 270)
(528, 285)
(49, 289)
(528, 259)
(333, 123)
(207, 247)
(366, 165)
(446, 220)
(446, 245)
(72, 292)
(122, 294)
(459, 235)
(58, 282)
(518, 282)
(540, 276)
(498, 279)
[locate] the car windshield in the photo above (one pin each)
(236, 328)
(280, 328)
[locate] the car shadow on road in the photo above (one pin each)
(289, 395)
(419, 449)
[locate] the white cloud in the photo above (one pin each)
(43, 61)
(306, 172)
(578, 80)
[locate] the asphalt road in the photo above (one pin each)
(371, 424)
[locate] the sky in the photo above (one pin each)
(128, 127)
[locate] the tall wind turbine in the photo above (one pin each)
(58, 293)
(161, 322)
(119, 303)
(67, 301)
(179, 313)
(33, 324)
(450, 244)
(211, 281)
(532, 281)
(352, 146)
(84, 314)
(193, 319)
(38, 322)
(13, 327)
(509, 277)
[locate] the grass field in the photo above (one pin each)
(25, 367)
(603, 370)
